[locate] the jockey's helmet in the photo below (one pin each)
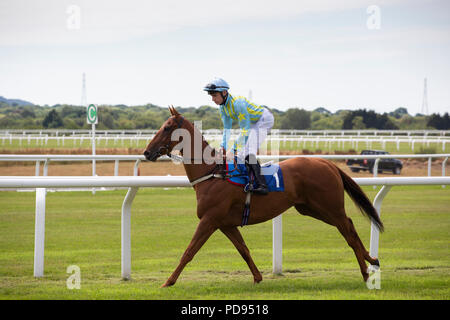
(216, 85)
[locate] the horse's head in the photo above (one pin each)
(162, 143)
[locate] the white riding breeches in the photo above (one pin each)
(258, 133)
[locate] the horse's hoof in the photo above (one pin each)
(377, 263)
(257, 280)
(167, 284)
(365, 277)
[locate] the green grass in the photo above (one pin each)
(84, 229)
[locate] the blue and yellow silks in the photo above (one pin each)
(243, 111)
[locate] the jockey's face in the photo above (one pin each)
(218, 97)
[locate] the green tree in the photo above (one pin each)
(296, 119)
(399, 112)
(108, 121)
(438, 122)
(52, 120)
(358, 123)
(370, 118)
(27, 112)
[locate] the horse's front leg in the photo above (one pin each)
(205, 229)
(236, 238)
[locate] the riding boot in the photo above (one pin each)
(255, 167)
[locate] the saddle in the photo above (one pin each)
(237, 174)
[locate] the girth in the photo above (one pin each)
(248, 190)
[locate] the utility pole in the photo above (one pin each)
(83, 92)
(425, 98)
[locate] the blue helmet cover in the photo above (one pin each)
(217, 85)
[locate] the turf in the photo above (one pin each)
(84, 229)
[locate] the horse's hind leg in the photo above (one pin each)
(236, 238)
(347, 229)
(372, 261)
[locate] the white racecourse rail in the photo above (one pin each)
(134, 182)
(47, 158)
(329, 141)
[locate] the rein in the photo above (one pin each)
(223, 174)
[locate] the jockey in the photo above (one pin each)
(254, 122)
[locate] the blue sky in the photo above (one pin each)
(305, 54)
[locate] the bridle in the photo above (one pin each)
(217, 172)
(167, 145)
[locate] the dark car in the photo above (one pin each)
(385, 164)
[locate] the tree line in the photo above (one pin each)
(152, 116)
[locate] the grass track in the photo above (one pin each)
(84, 230)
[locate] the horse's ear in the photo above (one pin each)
(175, 112)
(171, 110)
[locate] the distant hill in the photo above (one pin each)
(15, 102)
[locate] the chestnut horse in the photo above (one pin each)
(314, 186)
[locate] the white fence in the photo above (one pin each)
(134, 183)
(47, 159)
(294, 141)
(327, 139)
(369, 132)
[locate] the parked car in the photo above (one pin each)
(385, 164)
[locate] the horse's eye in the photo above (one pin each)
(166, 129)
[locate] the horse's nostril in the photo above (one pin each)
(147, 155)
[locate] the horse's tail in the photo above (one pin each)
(360, 199)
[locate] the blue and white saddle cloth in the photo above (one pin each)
(272, 173)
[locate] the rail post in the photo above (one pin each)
(116, 167)
(277, 244)
(39, 233)
(374, 232)
(37, 168)
(429, 166)
(443, 169)
(126, 232)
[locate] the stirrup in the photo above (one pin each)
(261, 190)
(248, 187)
